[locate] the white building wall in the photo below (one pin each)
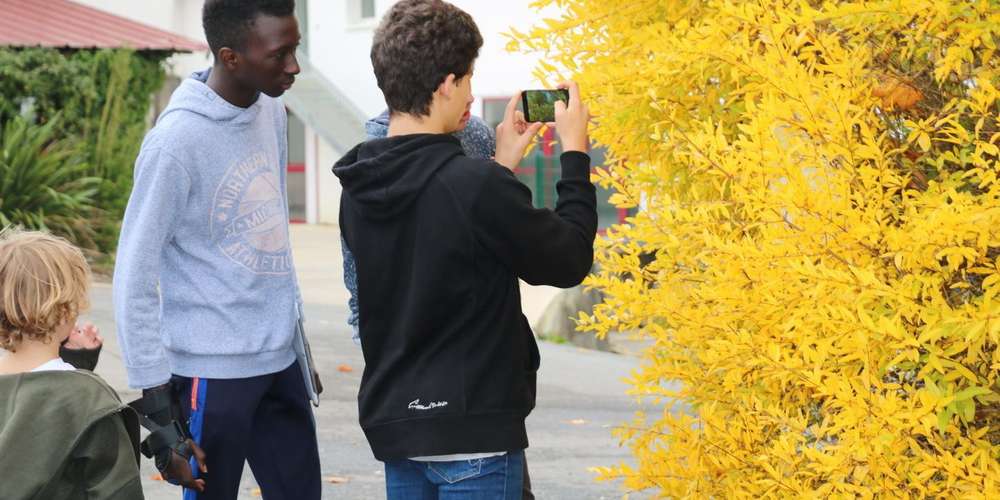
(340, 49)
(500, 73)
(328, 186)
(322, 187)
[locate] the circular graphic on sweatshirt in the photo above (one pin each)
(248, 217)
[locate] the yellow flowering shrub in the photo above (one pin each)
(816, 257)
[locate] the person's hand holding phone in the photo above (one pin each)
(514, 135)
(573, 120)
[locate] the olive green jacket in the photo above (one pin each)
(65, 435)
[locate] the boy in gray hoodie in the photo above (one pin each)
(206, 298)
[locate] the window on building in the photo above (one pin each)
(361, 13)
(302, 13)
(367, 9)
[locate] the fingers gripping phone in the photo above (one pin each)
(540, 105)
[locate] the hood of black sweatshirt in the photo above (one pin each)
(386, 176)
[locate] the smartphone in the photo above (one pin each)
(540, 105)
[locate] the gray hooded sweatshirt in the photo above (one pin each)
(204, 284)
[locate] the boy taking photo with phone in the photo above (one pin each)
(440, 241)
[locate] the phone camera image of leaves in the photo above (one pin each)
(540, 105)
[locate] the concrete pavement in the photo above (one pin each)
(581, 394)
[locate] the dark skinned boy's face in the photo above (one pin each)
(267, 62)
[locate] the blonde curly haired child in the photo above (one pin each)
(64, 433)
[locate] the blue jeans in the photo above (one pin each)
(493, 478)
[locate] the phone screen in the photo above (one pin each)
(540, 105)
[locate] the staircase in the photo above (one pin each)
(323, 107)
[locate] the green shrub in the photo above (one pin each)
(103, 99)
(44, 182)
(78, 85)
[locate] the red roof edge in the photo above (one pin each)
(67, 24)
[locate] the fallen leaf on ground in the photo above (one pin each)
(156, 477)
(578, 421)
(336, 480)
(345, 369)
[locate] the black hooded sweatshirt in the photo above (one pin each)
(440, 240)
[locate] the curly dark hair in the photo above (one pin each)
(226, 22)
(416, 46)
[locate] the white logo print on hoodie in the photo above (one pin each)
(248, 217)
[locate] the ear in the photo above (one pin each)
(229, 58)
(447, 86)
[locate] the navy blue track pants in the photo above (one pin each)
(266, 421)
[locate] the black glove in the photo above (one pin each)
(168, 442)
(81, 359)
(161, 405)
(175, 467)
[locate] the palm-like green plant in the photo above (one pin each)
(44, 182)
